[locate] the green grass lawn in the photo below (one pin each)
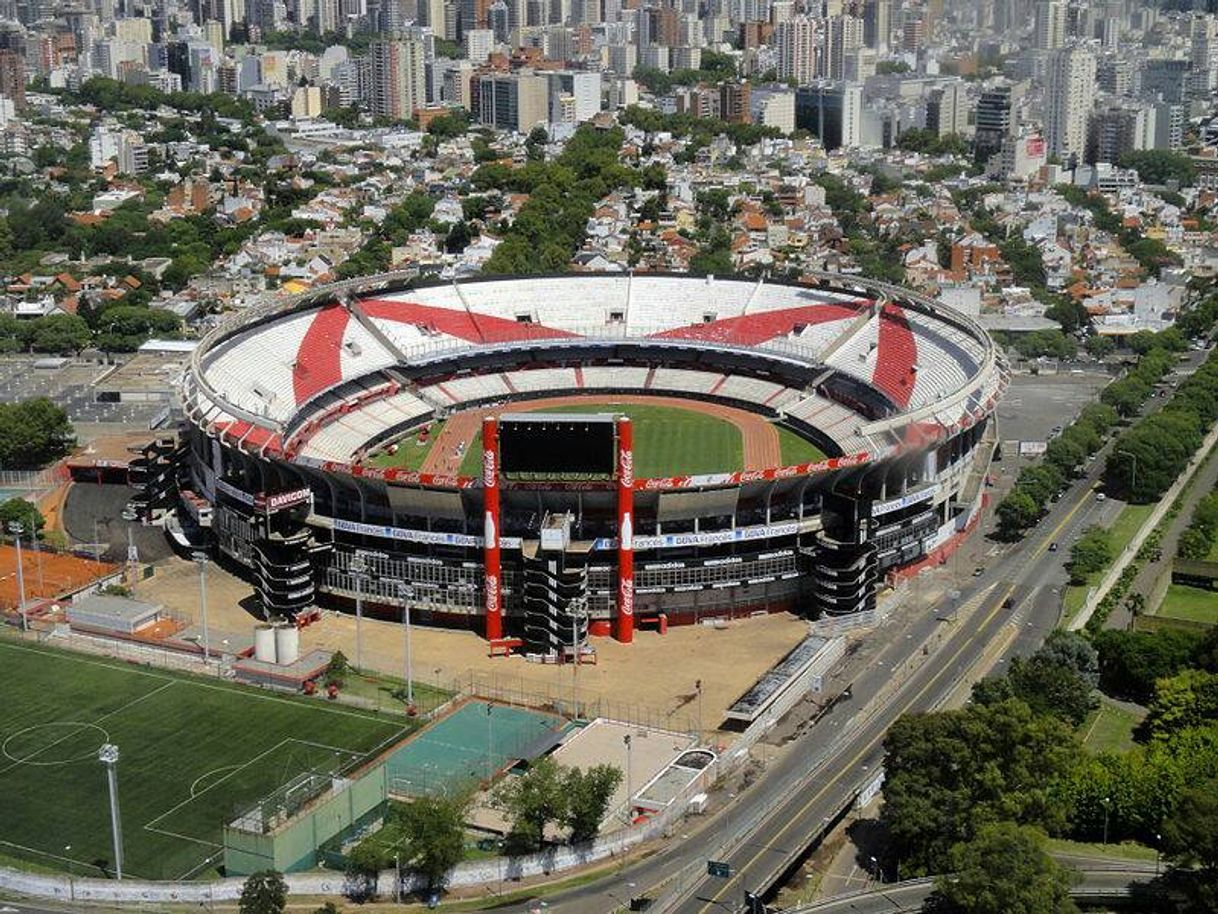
(1127, 850)
(1122, 530)
(1190, 603)
(410, 454)
(796, 450)
(194, 753)
(1109, 728)
(668, 440)
(1127, 524)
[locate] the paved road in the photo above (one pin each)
(817, 779)
(1097, 884)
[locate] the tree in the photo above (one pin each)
(947, 774)
(1074, 651)
(33, 433)
(264, 892)
(1005, 869)
(337, 669)
(434, 828)
(328, 908)
(533, 801)
(1100, 346)
(1187, 699)
(1092, 552)
(1016, 513)
(1190, 842)
(25, 513)
(1130, 662)
(1053, 688)
(588, 794)
(63, 334)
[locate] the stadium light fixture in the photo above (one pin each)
(108, 756)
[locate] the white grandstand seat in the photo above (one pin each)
(752, 390)
(686, 380)
(610, 376)
(478, 387)
(539, 379)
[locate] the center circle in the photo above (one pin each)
(51, 744)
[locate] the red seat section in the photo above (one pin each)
(319, 359)
(481, 328)
(754, 329)
(897, 353)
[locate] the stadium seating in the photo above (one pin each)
(614, 376)
(542, 379)
(682, 379)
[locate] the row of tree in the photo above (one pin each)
(1013, 757)
(1024, 505)
(1151, 454)
(1199, 537)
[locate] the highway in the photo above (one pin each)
(770, 825)
(1097, 884)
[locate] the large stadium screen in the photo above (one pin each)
(557, 445)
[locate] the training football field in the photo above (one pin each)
(194, 754)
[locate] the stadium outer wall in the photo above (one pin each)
(815, 539)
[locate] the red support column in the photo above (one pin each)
(490, 543)
(625, 531)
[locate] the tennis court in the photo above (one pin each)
(46, 574)
(472, 744)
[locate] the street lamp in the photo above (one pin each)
(407, 594)
(629, 789)
(1107, 801)
(358, 568)
(16, 529)
(200, 559)
(108, 756)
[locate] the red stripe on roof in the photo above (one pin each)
(753, 329)
(319, 361)
(484, 328)
(895, 357)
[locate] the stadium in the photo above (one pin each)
(546, 457)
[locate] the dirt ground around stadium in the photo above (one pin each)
(46, 574)
(653, 678)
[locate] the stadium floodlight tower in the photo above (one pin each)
(108, 756)
(17, 529)
(200, 559)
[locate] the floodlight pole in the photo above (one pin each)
(629, 788)
(201, 560)
(16, 529)
(358, 568)
(108, 756)
(407, 593)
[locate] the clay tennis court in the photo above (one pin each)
(759, 437)
(47, 574)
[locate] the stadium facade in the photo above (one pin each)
(286, 402)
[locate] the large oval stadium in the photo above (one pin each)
(540, 457)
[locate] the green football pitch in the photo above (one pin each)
(194, 754)
(668, 441)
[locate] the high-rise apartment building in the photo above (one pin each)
(1069, 96)
(832, 111)
(797, 45)
(1050, 24)
(842, 34)
(513, 101)
(397, 77)
(947, 110)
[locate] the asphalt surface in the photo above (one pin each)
(1096, 884)
(771, 824)
(87, 502)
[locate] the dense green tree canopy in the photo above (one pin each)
(1005, 869)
